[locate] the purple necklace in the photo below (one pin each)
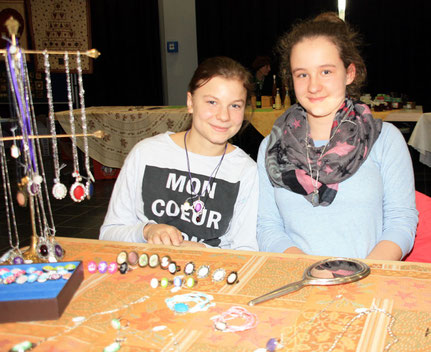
(198, 205)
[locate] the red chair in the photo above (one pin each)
(421, 251)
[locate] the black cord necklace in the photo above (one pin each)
(191, 203)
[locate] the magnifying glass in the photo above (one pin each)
(332, 271)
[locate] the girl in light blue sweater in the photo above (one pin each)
(333, 181)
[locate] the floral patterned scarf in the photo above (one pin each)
(289, 164)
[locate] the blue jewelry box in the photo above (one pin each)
(44, 292)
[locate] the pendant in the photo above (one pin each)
(15, 257)
(59, 190)
(18, 260)
(186, 206)
(198, 206)
(22, 197)
(33, 185)
(77, 191)
(58, 250)
(42, 248)
(315, 197)
(14, 151)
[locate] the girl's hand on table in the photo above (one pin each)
(163, 234)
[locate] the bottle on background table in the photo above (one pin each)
(287, 103)
(258, 98)
(274, 90)
(278, 100)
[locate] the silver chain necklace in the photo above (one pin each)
(77, 191)
(198, 205)
(59, 190)
(315, 181)
(90, 178)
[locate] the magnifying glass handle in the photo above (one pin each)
(294, 286)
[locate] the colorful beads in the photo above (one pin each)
(181, 308)
(112, 268)
(31, 274)
(92, 267)
(22, 346)
(164, 282)
(103, 267)
(113, 347)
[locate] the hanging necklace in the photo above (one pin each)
(59, 190)
(90, 178)
(15, 256)
(77, 191)
(20, 87)
(274, 344)
(198, 205)
(315, 198)
(14, 150)
(47, 247)
(315, 181)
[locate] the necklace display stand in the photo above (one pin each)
(45, 239)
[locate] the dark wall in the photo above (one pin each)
(128, 72)
(397, 47)
(244, 29)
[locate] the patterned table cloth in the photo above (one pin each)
(124, 126)
(306, 320)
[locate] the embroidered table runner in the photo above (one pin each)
(124, 126)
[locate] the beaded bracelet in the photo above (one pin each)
(178, 303)
(220, 323)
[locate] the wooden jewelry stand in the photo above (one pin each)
(32, 252)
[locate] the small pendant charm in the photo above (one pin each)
(57, 249)
(59, 190)
(198, 206)
(315, 197)
(42, 248)
(186, 206)
(22, 193)
(23, 346)
(33, 186)
(22, 197)
(77, 192)
(14, 151)
(18, 260)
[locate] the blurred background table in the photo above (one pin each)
(421, 139)
(124, 126)
(263, 119)
(309, 319)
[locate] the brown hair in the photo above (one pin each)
(346, 40)
(225, 67)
